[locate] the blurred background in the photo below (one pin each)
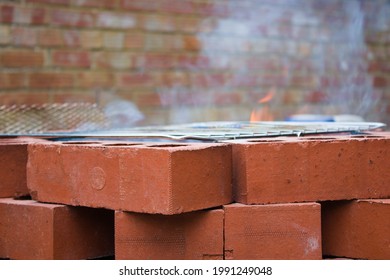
(154, 62)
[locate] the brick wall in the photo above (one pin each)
(198, 60)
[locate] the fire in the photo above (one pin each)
(263, 112)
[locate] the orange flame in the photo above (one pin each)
(263, 113)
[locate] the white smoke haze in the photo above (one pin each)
(300, 49)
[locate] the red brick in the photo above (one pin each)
(72, 18)
(145, 5)
(79, 59)
(95, 79)
(178, 6)
(193, 236)
(25, 97)
(37, 231)
(116, 20)
(380, 82)
(357, 229)
(51, 80)
(26, 15)
(24, 36)
(15, 58)
(13, 161)
(277, 170)
(51, 37)
(135, 80)
(12, 81)
(6, 14)
(280, 231)
(134, 40)
(164, 178)
(158, 61)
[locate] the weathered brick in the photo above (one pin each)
(12, 81)
(91, 39)
(51, 37)
(13, 160)
(113, 40)
(194, 236)
(95, 79)
(72, 18)
(29, 15)
(356, 229)
(116, 20)
(51, 80)
(113, 60)
(146, 5)
(5, 35)
(134, 40)
(24, 36)
(15, 58)
(135, 80)
(37, 231)
(156, 22)
(79, 59)
(277, 170)
(6, 13)
(160, 178)
(279, 231)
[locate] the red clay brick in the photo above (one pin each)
(13, 161)
(277, 170)
(33, 230)
(72, 18)
(163, 178)
(11, 80)
(196, 235)
(51, 80)
(278, 231)
(71, 59)
(21, 59)
(357, 229)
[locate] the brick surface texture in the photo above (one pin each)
(357, 229)
(35, 231)
(147, 178)
(282, 231)
(193, 236)
(197, 60)
(310, 168)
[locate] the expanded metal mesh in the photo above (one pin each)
(27, 119)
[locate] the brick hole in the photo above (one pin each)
(167, 146)
(25, 197)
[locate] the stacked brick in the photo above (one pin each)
(269, 198)
(194, 54)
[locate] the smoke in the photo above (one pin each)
(312, 53)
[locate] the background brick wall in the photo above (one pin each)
(199, 60)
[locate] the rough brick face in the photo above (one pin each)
(357, 229)
(311, 169)
(192, 236)
(21, 59)
(36, 231)
(13, 160)
(167, 179)
(281, 231)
